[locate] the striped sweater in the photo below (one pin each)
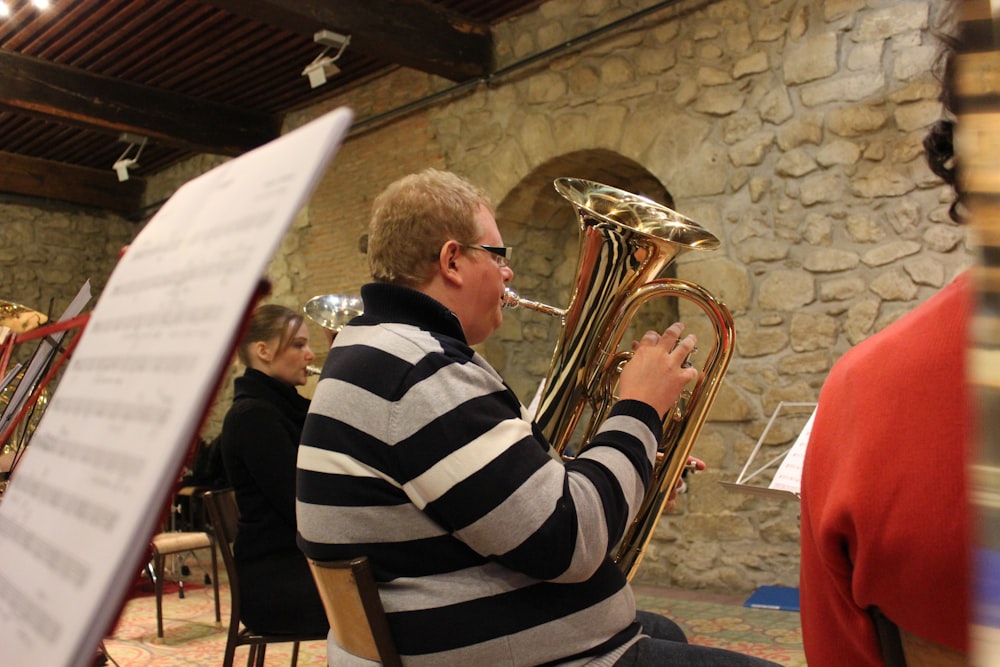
(488, 549)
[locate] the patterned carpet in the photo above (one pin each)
(192, 638)
(723, 621)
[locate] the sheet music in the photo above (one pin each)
(11, 374)
(789, 474)
(41, 358)
(75, 521)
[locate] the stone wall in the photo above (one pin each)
(48, 253)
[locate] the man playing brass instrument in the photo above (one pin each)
(488, 549)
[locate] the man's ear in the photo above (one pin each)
(449, 262)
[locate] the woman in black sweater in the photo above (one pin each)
(260, 439)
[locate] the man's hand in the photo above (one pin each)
(693, 465)
(656, 373)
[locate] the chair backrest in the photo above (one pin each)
(923, 653)
(902, 649)
(225, 518)
(224, 513)
(354, 609)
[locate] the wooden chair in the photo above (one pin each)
(171, 543)
(354, 609)
(224, 516)
(903, 649)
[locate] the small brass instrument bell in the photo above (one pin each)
(18, 318)
(333, 311)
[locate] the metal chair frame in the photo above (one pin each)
(224, 516)
(171, 543)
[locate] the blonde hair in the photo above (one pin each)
(268, 322)
(414, 217)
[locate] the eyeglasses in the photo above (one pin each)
(501, 253)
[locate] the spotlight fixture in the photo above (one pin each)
(323, 66)
(4, 9)
(124, 163)
(40, 4)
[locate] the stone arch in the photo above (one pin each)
(544, 229)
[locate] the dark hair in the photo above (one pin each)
(939, 144)
(266, 323)
(940, 151)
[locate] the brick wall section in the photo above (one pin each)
(339, 211)
(337, 215)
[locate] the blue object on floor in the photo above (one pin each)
(784, 598)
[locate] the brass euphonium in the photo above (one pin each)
(626, 241)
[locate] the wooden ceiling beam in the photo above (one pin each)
(72, 96)
(58, 181)
(411, 33)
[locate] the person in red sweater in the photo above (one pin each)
(885, 518)
(884, 510)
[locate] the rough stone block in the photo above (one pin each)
(841, 289)
(786, 290)
(761, 342)
(812, 59)
(813, 331)
(830, 260)
(894, 286)
(751, 151)
(890, 252)
(856, 121)
(899, 18)
(851, 88)
(918, 115)
(795, 163)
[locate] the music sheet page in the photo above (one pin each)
(76, 519)
(789, 474)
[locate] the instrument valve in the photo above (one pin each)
(687, 363)
(679, 411)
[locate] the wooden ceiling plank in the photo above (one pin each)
(411, 33)
(141, 46)
(105, 46)
(69, 146)
(194, 73)
(274, 65)
(51, 40)
(75, 97)
(23, 25)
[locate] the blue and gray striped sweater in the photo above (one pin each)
(488, 549)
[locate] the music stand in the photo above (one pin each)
(59, 356)
(789, 471)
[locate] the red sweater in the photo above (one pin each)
(885, 518)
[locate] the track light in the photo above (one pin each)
(323, 66)
(124, 163)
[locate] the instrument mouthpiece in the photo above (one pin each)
(512, 300)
